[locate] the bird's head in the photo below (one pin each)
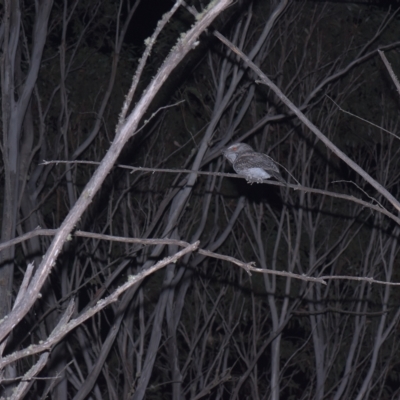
(231, 152)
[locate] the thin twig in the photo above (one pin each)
(235, 176)
(181, 243)
(149, 42)
(362, 119)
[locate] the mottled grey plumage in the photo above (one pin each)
(255, 167)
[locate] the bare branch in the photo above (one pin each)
(390, 70)
(64, 327)
(235, 176)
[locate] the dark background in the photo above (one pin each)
(205, 328)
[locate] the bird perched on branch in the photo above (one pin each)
(255, 167)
